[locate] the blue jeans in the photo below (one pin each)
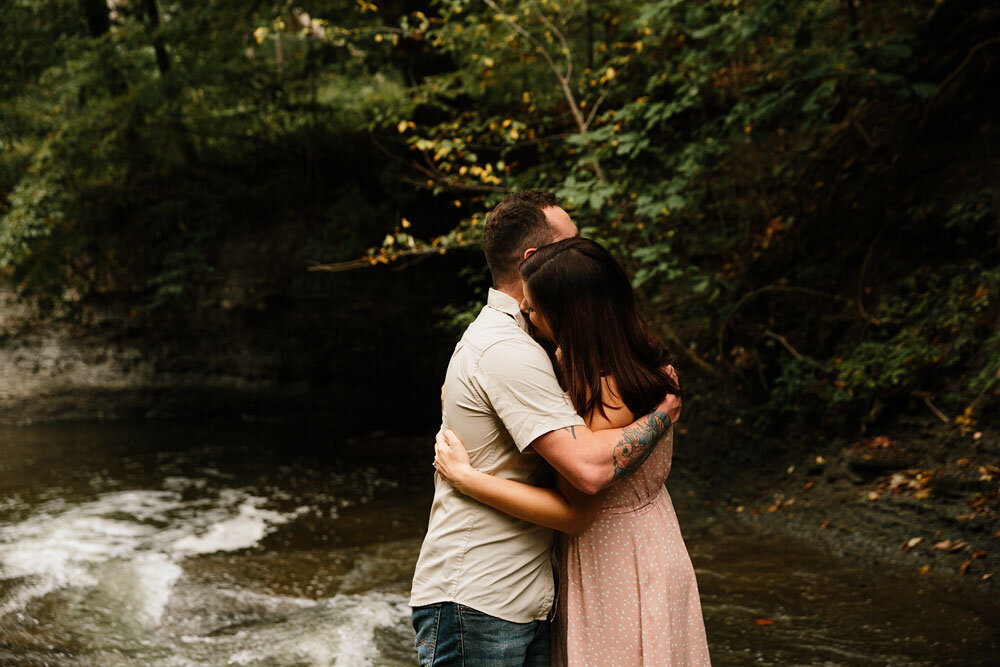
(453, 635)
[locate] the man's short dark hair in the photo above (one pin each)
(514, 225)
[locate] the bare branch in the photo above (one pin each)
(563, 81)
(767, 288)
(795, 353)
(439, 177)
(562, 40)
(927, 401)
(861, 279)
(366, 262)
(597, 105)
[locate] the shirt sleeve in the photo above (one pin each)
(517, 379)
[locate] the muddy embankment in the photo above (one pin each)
(911, 493)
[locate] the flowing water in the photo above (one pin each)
(264, 544)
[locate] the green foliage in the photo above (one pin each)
(123, 175)
(770, 172)
(708, 168)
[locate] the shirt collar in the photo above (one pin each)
(507, 305)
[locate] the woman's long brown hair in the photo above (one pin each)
(587, 299)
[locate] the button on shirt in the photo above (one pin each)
(500, 394)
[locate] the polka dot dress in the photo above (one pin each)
(628, 594)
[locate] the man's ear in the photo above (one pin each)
(528, 252)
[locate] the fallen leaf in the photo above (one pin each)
(808, 485)
(921, 494)
(912, 542)
(986, 577)
(963, 462)
(988, 472)
(950, 545)
(979, 554)
(872, 495)
(826, 524)
(964, 517)
(881, 442)
(964, 567)
(925, 569)
(764, 621)
(997, 534)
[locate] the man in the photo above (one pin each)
(483, 587)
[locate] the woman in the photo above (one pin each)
(628, 594)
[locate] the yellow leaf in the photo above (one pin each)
(402, 126)
(406, 223)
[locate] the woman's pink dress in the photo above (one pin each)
(628, 594)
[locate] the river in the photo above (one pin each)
(276, 544)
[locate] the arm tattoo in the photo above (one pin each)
(571, 429)
(637, 443)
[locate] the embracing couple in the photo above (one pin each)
(556, 376)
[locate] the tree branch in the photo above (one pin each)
(795, 353)
(564, 82)
(367, 262)
(767, 288)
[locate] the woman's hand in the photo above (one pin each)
(451, 459)
(672, 402)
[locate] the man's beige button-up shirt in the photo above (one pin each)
(500, 394)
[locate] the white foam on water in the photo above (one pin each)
(239, 532)
(338, 631)
(126, 545)
(117, 564)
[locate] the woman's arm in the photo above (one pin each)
(564, 509)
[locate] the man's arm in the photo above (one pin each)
(517, 379)
(592, 460)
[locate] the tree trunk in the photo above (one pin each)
(98, 17)
(153, 16)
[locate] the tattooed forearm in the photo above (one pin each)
(638, 442)
(571, 429)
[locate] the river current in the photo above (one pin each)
(269, 544)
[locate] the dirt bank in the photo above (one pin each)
(913, 492)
